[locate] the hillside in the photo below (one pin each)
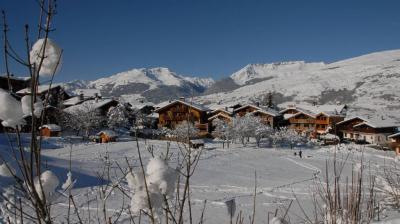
(368, 83)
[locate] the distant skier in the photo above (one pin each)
(295, 154)
(301, 154)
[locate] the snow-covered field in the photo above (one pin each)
(222, 174)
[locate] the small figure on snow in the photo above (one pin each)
(300, 154)
(295, 154)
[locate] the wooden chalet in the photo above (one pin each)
(107, 136)
(303, 123)
(55, 93)
(17, 83)
(395, 142)
(177, 111)
(314, 120)
(268, 116)
(222, 114)
(368, 130)
(50, 130)
(102, 106)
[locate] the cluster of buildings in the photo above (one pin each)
(313, 121)
(58, 101)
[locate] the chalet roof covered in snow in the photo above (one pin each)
(109, 133)
(379, 122)
(18, 78)
(92, 104)
(374, 122)
(189, 104)
(73, 101)
(40, 89)
(394, 135)
(260, 109)
(51, 127)
(222, 109)
(330, 110)
(88, 92)
(219, 114)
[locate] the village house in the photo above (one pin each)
(17, 83)
(314, 120)
(267, 115)
(178, 111)
(50, 130)
(372, 130)
(395, 142)
(55, 94)
(106, 136)
(224, 113)
(101, 105)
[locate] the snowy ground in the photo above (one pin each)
(222, 174)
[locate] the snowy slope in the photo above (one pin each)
(367, 83)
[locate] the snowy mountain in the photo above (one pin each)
(368, 83)
(154, 84)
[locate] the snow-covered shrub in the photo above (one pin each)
(69, 183)
(289, 136)
(160, 180)
(27, 106)
(117, 117)
(85, 118)
(389, 184)
(185, 130)
(245, 126)
(10, 110)
(52, 56)
(48, 184)
(263, 131)
(221, 130)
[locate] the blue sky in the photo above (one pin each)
(209, 38)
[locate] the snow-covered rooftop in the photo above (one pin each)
(89, 104)
(374, 122)
(15, 77)
(73, 101)
(109, 133)
(314, 110)
(197, 106)
(40, 89)
(51, 127)
(394, 135)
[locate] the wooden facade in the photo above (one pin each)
(360, 130)
(395, 142)
(178, 111)
(106, 136)
(266, 118)
(346, 128)
(302, 123)
(50, 130)
(325, 123)
(242, 111)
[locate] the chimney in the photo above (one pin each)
(81, 96)
(257, 104)
(182, 99)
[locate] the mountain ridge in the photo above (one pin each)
(367, 82)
